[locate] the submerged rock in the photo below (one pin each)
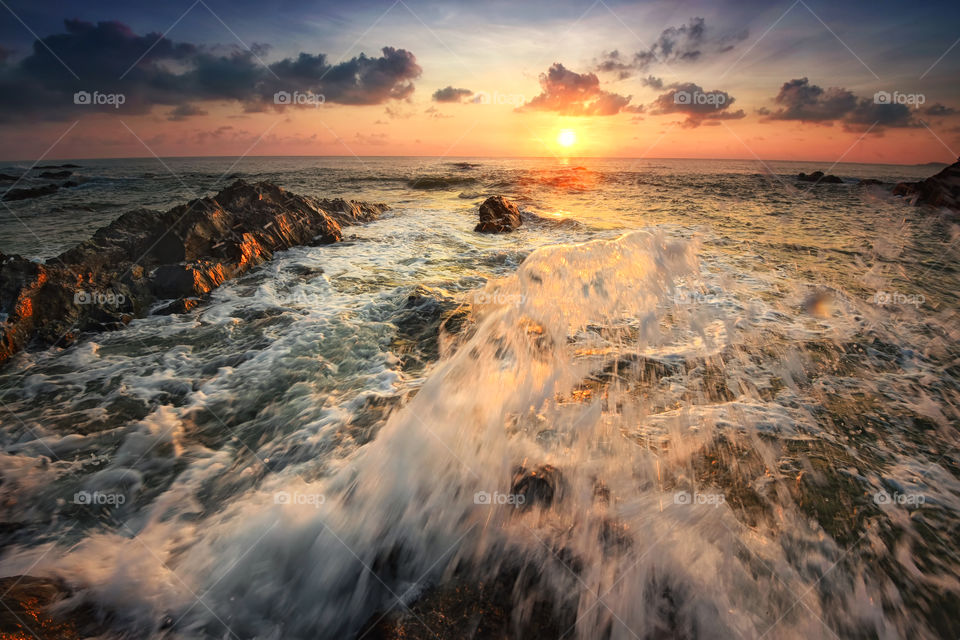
(940, 190)
(498, 215)
(819, 176)
(144, 257)
(35, 192)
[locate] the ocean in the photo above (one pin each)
(686, 399)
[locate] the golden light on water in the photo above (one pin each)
(566, 138)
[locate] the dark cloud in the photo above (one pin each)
(700, 107)
(685, 43)
(802, 101)
(450, 94)
(574, 94)
(939, 110)
(184, 111)
(653, 82)
(151, 70)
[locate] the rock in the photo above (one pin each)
(867, 182)
(940, 190)
(144, 257)
(537, 486)
(58, 166)
(498, 215)
(25, 611)
(819, 176)
(24, 194)
(56, 175)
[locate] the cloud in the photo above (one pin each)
(939, 110)
(802, 101)
(179, 73)
(375, 139)
(574, 94)
(184, 111)
(653, 82)
(685, 43)
(700, 107)
(433, 112)
(450, 94)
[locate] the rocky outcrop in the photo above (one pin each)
(819, 176)
(144, 257)
(941, 190)
(498, 215)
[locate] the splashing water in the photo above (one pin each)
(631, 437)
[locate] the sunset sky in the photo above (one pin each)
(775, 80)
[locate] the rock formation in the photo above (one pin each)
(144, 257)
(818, 176)
(498, 215)
(941, 190)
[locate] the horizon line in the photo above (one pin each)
(491, 157)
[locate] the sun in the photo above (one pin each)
(566, 138)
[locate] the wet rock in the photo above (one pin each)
(871, 182)
(819, 176)
(421, 319)
(56, 175)
(477, 609)
(35, 192)
(25, 611)
(941, 190)
(144, 257)
(498, 215)
(538, 486)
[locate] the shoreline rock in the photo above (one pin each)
(940, 190)
(144, 257)
(819, 176)
(498, 215)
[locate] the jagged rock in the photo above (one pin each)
(940, 190)
(36, 192)
(498, 215)
(144, 257)
(819, 176)
(56, 175)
